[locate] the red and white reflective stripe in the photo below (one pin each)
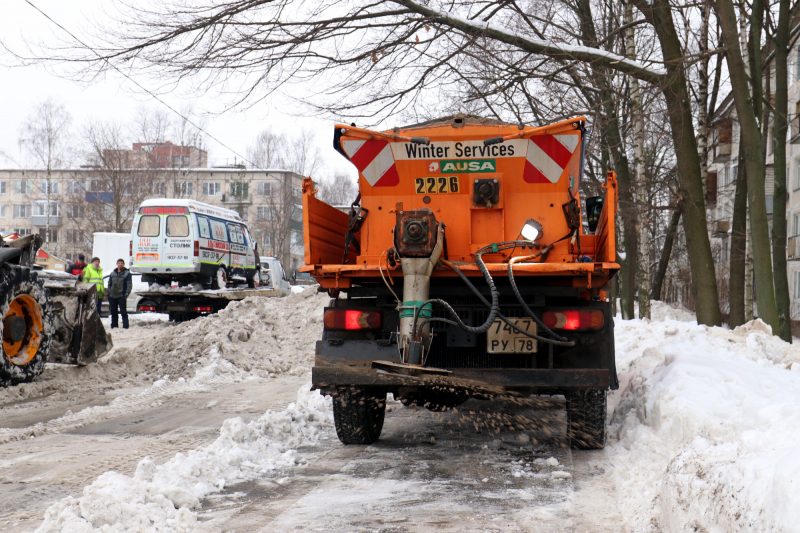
(548, 156)
(374, 161)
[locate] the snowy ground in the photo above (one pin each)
(209, 425)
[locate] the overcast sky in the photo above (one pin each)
(23, 87)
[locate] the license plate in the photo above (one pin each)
(501, 338)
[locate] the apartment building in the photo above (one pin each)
(66, 206)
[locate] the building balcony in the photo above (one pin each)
(41, 221)
(236, 199)
(793, 248)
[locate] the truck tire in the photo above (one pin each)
(26, 326)
(586, 419)
(358, 415)
(220, 278)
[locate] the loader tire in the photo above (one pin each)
(25, 323)
(358, 415)
(586, 419)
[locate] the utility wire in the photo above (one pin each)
(139, 85)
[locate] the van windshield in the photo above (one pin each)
(177, 226)
(149, 226)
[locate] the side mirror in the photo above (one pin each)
(594, 206)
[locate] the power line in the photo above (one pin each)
(139, 85)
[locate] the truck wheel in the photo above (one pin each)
(358, 415)
(220, 278)
(26, 328)
(586, 419)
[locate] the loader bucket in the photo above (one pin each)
(79, 337)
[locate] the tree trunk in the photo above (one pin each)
(616, 146)
(751, 134)
(701, 262)
(779, 162)
(666, 252)
(643, 270)
(736, 284)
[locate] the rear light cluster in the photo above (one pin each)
(145, 308)
(197, 248)
(574, 319)
(352, 319)
(202, 309)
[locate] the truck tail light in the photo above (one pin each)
(146, 308)
(574, 319)
(130, 250)
(202, 309)
(197, 248)
(352, 319)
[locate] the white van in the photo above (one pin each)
(191, 242)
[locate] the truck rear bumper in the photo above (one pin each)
(479, 380)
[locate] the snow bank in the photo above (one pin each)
(705, 426)
(258, 336)
(162, 497)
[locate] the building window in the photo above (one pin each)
(796, 174)
(40, 209)
(74, 236)
(21, 231)
(49, 187)
(22, 211)
(184, 188)
(2, 187)
(264, 188)
(797, 285)
(211, 188)
(795, 225)
(263, 213)
(76, 211)
(3, 211)
(74, 187)
(239, 189)
(160, 189)
(49, 235)
(21, 187)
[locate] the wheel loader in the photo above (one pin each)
(46, 316)
(469, 266)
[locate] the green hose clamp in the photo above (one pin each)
(409, 307)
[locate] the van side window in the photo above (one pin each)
(149, 226)
(202, 224)
(177, 226)
(236, 234)
(218, 232)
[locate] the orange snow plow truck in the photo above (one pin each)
(469, 266)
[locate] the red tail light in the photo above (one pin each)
(146, 308)
(197, 248)
(574, 319)
(130, 250)
(352, 319)
(202, 308)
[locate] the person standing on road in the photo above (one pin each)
(94, 274)
(119, 287)
(76, 268)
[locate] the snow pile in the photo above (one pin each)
(260, 336)
(704, 428)
(161, 497)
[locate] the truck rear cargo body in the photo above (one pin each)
(469, 267)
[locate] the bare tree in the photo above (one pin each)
(383, 58)
(341, 190)
(45, 138)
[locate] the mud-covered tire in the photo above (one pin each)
(23, 299)
(586, 419)
(358, 415)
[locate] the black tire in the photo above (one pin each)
(220, 278)
(358, 415)
(251, 279)
(26, 325)
(586, 419)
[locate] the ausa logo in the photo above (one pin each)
(472, 165)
